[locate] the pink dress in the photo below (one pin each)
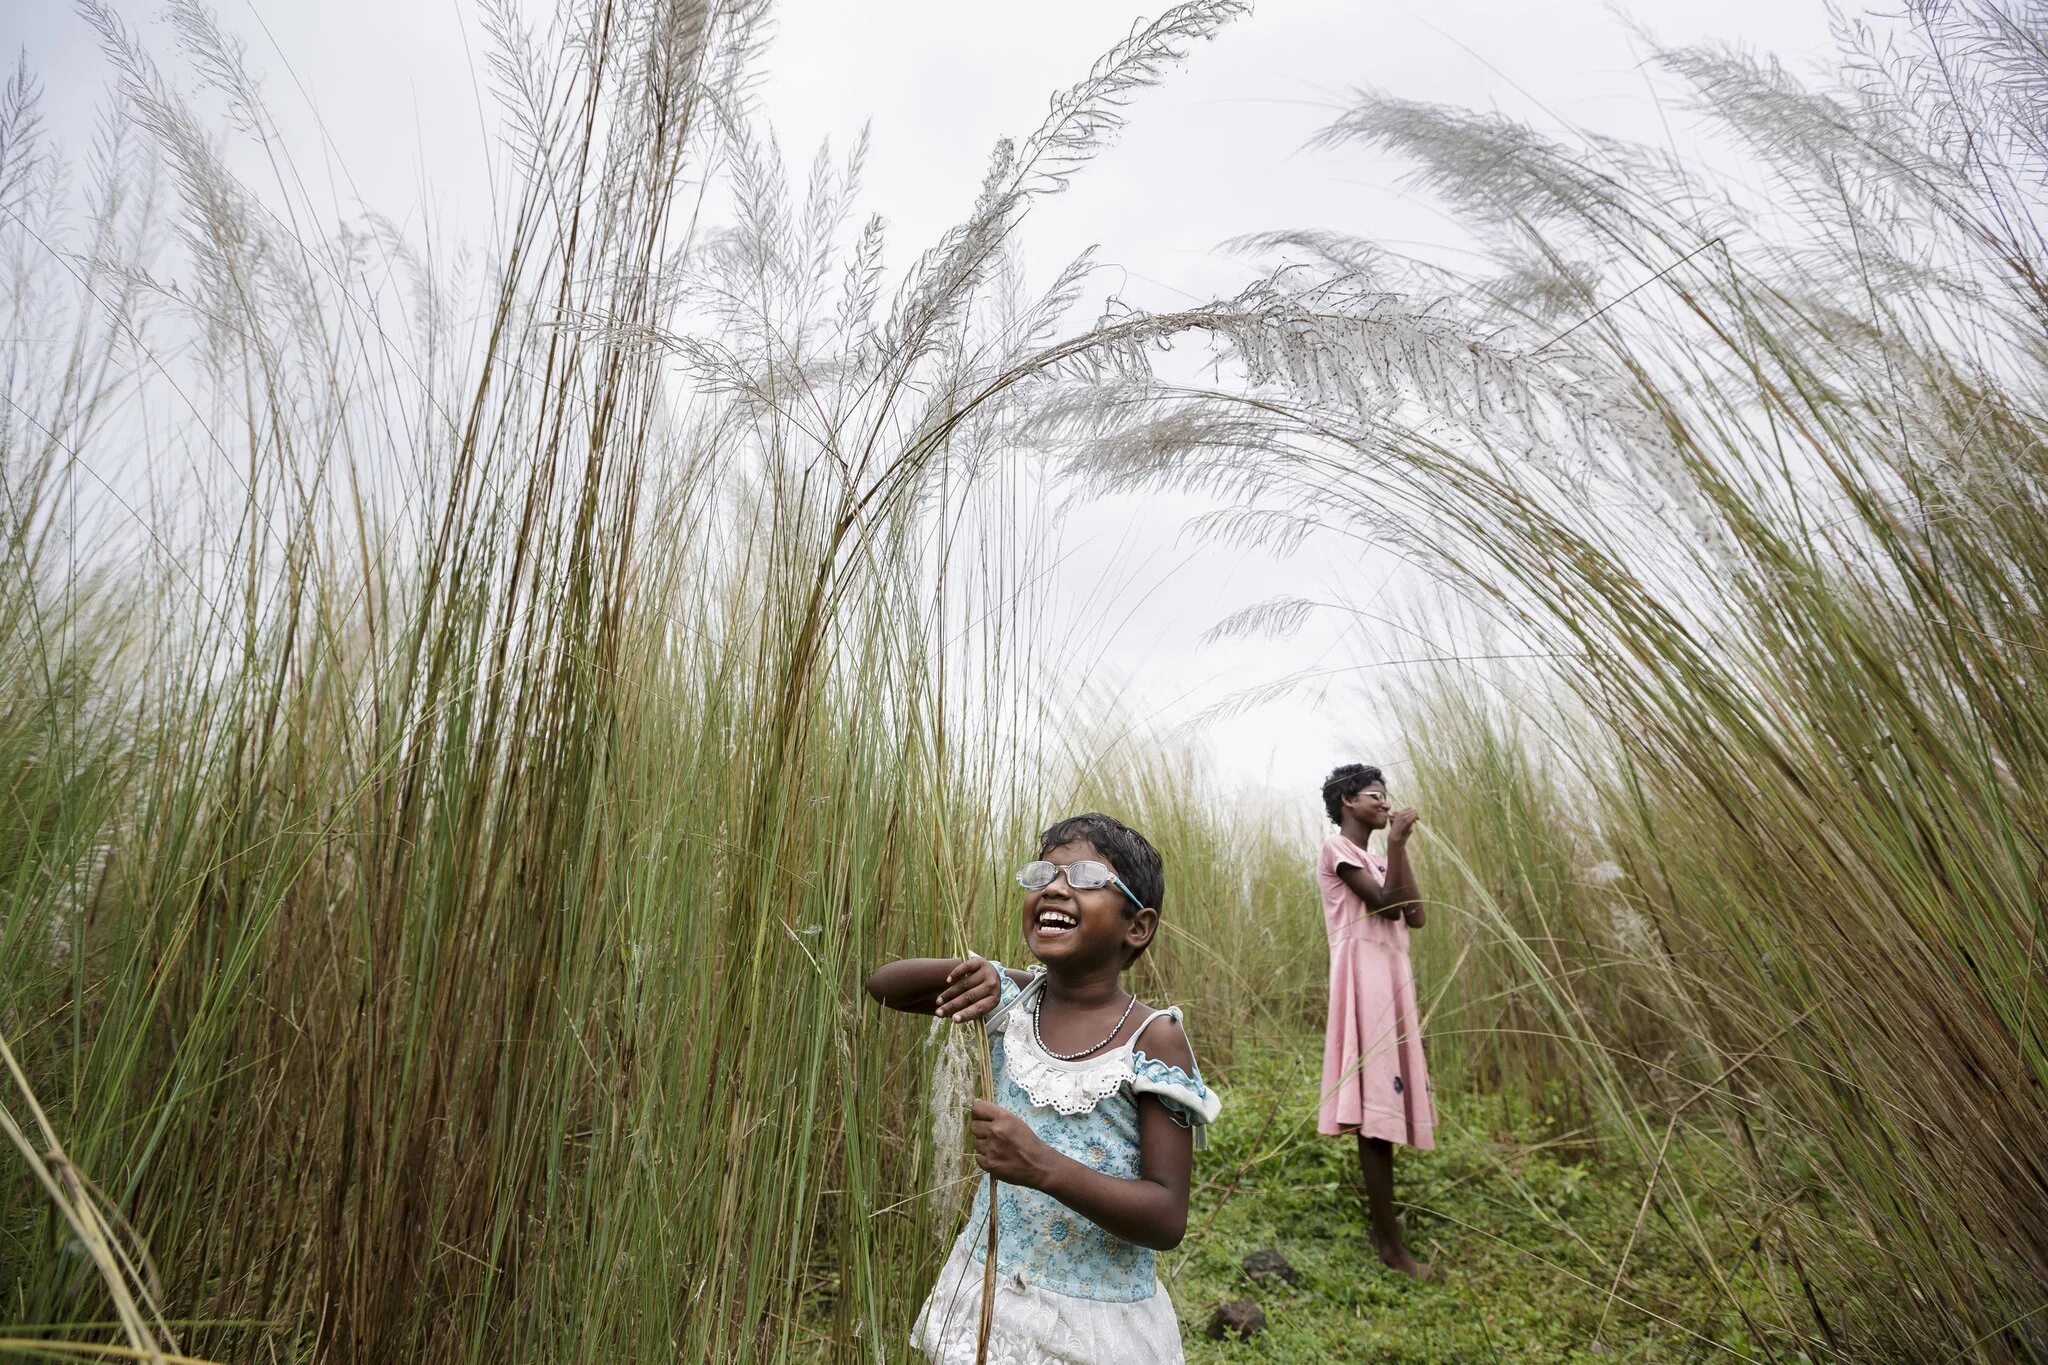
(1374, 1079)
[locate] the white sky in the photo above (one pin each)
(1213, 153)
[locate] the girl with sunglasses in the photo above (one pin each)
(1375, 1084)
(1098, 1107)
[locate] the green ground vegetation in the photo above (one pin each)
(1549, 1251)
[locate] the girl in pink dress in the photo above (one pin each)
(1374, 1081)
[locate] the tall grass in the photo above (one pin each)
(1761, 475)
(455, 814)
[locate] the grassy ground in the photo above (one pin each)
(1526, 1227)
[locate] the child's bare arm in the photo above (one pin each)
(1151, 1210)
(956, 988)
(1397, 897)
(1401, 885)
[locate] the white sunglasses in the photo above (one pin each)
(1086, 875)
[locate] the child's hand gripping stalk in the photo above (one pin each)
(971, 991)
(1005, 1146)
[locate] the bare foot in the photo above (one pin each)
(1397, 1257)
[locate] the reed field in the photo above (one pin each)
(473, 716)
(1754, 850)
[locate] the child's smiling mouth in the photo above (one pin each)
(1056, 922)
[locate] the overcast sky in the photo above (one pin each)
(380, 100)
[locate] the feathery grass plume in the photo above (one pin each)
(1792, 584)
(951, 1089)
(1274, 617)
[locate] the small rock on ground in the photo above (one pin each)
(1239, 1316)
(1269, 1262)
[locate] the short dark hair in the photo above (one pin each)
(1347, 780)
(1130, 855)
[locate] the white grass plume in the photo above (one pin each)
(952, 1086)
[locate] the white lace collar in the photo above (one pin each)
(1071, 1088)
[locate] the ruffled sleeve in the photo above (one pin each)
(1190, 1102)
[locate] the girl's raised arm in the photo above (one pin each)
(956, 988)
(1398, 897)
(1400, 873)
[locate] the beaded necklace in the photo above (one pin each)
(1039, 1038)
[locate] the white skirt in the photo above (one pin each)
(1034, 1326)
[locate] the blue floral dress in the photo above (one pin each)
(1067, 1290)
